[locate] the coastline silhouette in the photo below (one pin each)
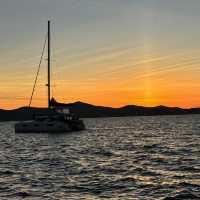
(85, 110)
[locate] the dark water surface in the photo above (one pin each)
(115, 158)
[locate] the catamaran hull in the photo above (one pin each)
(32, 127)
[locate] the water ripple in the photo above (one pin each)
(115, 158)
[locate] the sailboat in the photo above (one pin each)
(61, 121)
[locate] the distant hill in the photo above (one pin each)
(87, 110)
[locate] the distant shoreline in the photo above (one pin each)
(85, 110)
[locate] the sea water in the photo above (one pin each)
(115, 158)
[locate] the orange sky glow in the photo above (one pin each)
(109, 53)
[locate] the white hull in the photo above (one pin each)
(42, 127)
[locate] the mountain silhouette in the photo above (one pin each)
(85, 110)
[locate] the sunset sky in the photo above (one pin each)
(104, 52)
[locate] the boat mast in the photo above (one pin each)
(49, 65)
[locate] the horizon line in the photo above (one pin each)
(38, 107)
